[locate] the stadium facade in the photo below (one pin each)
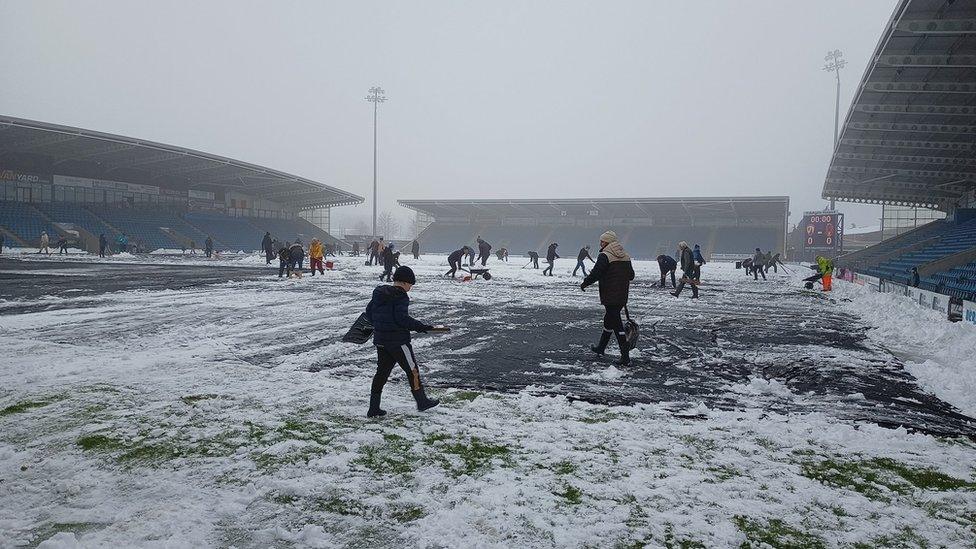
(909, 141)
(647, 226)
(80, 183)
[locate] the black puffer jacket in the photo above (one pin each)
(388, 312)
(667, 263)
(614, 271)
(551, 254)
(687, 260)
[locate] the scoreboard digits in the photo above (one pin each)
(823, 230)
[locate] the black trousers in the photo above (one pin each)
(579, 265)
(483, 258)
(284, 265)
(535, 262)
(611, 319)
(758, 270)
(664, 275)
(549, 268)
(387, 357)
(455, 265)
(387, 273)
(688, 275)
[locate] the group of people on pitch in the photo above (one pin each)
(691, 261)
(388, 312)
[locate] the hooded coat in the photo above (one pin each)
(388, 312)
(614, 271)
(551, 254)
(266, 244)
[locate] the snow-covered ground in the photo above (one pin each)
(229, 414)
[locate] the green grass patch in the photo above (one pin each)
(394, 457)
(672, 541)
(25, 406)
(878, 478)
(408, 513)
(572, 495)
(563, 468)
(476, 455)
(192, 399)
(775, 533)
(100, 443)
(906, 538)
(461, 396)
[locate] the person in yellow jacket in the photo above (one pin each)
(316, 254)
(825, 272)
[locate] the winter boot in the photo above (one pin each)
(624, 349)
(424, 403)
(374, 406)
(602, 346)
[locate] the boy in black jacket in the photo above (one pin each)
(388, 313)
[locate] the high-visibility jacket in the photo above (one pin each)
(315, 250)
(824, 266)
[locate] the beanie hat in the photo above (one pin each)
(682, 244)
(404, 274)
(608, 237)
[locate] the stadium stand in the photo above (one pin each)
(646, 226)
(907, 141)
(159, 195)
(26, 223)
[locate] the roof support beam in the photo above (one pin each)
(933, 61)
(847, 184)
(937, 26)
(926, 110)
(953, 161)
(899, 171)
(30, 144)
(91, 154)
(948, 146)
(920, 87)
(954, 129)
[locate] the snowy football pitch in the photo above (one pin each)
(182, 402)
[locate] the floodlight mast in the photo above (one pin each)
(834, 64)
(375, 97)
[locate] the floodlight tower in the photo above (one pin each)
(375, 97)
(834, 63)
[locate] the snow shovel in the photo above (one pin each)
(631, 330)
(360, 332)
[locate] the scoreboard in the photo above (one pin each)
(823, 231)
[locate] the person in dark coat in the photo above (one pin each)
(584, 253)
(470, 256)
(372, 252)
(758, 265)
(915, 279)
(667, 264)
(613, 271)
(699, 261)
(776, 261)
(284, 260)
(3, 241)
(484, 249)
(62, 245)
(688, 270)
(388, 262)
(551, 257)
(747, 265)
(502, 254)
(355, 248)
(415, 249)
(455, 260)
(208, 246)
(534, 258)
(297, 255)
(268, 246)
(388, 312)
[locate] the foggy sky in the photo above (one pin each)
(486, 99)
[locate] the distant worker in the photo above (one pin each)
(502, 254)
(2, 242)
(284, 261)
(208, 246)
(551, 257)
(455, 260)
(315, 256)
(268, 246)
(613, 271)
(62, 245)
(758, 262)
(747, 265)
(484, 249)
(774, 262)
(372, 252)
(45, 242)
(470, 256)
(825, 272)
(296, 252)
(355, 248)
(667, 264)
(584, 254)
(699, 261)
(688, 271)
(388, 262)
(193, 247)
(915, 279)
(415, 249)
(533, 259)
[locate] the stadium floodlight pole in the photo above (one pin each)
(375, 97)
(834, 63)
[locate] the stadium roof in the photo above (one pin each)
(140, 161)
(910, 135)
(745, 207)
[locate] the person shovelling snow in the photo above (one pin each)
(388, 312)
(825, 272)
(613, 271)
